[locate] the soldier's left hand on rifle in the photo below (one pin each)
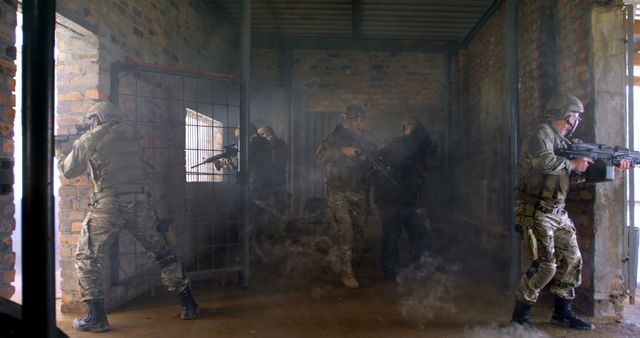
(218, 164)
(350, 151)
(64, 143)
(624, 165)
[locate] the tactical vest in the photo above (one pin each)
(544, 187)
(347, 174)
(548, 188)
(117, 164)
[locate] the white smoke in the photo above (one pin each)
(426, 289)
(494, 330)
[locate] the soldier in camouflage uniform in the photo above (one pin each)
(113, 154)
(346, 170)
(543, 184)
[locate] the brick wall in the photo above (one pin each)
(389, 85)
(8, 11)
(557, 52)
(93, 35)
(76, 74)
(482, 137)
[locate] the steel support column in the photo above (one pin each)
(245, 116)
(631, 284)
(37, 204)
(514, 125)
(447, 56)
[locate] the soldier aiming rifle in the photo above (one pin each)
(230, 151)
(606, 158)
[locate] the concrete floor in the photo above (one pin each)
(439, 307)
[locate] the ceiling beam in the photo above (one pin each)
(274, 17)
(382, 45)
(356, 20)
(222, 12)
(483, 21)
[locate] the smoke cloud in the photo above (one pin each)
(494, 330)
(426, 289)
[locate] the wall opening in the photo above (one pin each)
(203, 139)
(16, 236)
(635, 144)
(76, 89)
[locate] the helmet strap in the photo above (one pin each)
(573, 126)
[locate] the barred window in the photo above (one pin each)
(203, 139)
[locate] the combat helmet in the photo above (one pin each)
(266, 131)
(353, 112)
(104, 112)
(560, 105)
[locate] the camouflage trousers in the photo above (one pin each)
(347, 215)
(559, 259)
(109, 215)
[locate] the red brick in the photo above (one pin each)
(76, 227)
(69, 239)
(69, 191)
(8, 276)
(7, 291)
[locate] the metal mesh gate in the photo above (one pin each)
(183, 117)
(317, 127)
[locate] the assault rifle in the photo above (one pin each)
(366, 155)
(80, 129)
(229, 151)
(605, 157)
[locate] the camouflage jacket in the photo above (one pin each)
(113, 154)
(542, 175)
(344, 174)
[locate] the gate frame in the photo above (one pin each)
(130, 65)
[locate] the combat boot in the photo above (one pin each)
(95, 320)
(522, 315)
(349, 280)
(188, 307)
(563, 315)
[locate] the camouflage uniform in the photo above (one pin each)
(544, 180)
(347, 202)
(120, 200)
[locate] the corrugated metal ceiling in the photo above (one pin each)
(422, 20)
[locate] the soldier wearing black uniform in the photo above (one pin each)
(397, 199)
(280, 168)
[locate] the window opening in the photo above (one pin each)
(203, 139)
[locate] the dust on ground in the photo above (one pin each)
(323, 308)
